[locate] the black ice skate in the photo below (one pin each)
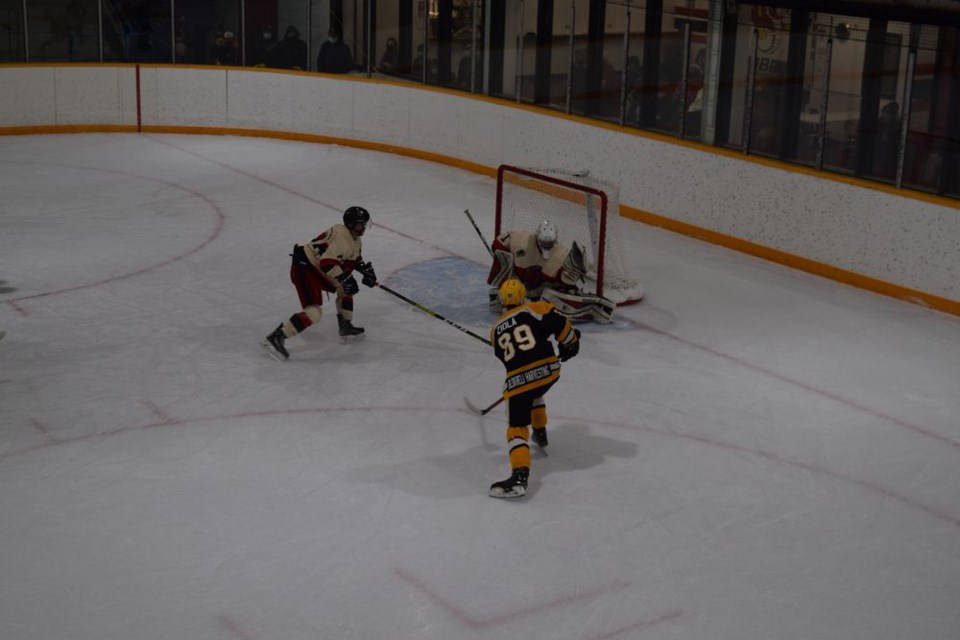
(273, 344)
(513, 487)
(540, 439)
(348, 332)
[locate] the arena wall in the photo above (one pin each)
(893, 241)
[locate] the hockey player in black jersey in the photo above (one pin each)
(521, 341)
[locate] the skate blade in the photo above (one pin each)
(349, 339)
(516, 493)
(270, 351)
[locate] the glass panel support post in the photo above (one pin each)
(487, 22)
(518, 66)
(570, 43)
(100, 31)
(711, 71)
(26, 34)
(824, 102)
(623, 68)
(473, 45)
(426, 42)
(309, 35)
(369, 47)
(685, 79)
(905, 114)
(748, 98)
(173, 31)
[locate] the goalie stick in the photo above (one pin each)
(479, 233)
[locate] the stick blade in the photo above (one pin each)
(474, 409)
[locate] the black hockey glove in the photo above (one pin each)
(348, 283)
(369, 275)
(570, 350)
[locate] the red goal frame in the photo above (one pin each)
(573, 186)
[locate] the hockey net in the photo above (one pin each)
(584, 209)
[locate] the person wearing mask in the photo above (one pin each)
(549, 270)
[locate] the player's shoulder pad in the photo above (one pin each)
(541, 307)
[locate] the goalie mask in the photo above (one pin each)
(546, 238)
(354, 216)
(512, 293)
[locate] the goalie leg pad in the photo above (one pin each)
(502, 268)
(581, 306)
(494, 296)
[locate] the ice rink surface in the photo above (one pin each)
(751, 453)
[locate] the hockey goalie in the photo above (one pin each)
(549, 270)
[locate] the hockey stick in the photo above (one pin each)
(479, 233)
(431, 312)
(477, 410)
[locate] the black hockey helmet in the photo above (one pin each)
(354, 216)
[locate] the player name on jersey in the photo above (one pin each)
(509, 323)
(537, 373)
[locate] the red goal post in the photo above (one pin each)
(584, 209)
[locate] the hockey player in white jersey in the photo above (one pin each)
(549, 270)
(326, 264)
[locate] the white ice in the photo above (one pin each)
(751, 453)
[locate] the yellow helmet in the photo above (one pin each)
(512, 293)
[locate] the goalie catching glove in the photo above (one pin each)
(369, 275)
(570, 349)
(575, 265)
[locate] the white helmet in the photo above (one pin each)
(546, 238)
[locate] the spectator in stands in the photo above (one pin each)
(610, 87)
(465, 66)
(183, 41)
(67, 27)
(888, 141)
(225, 50)
(289, 53)
(140, 18)
(634, 89)
(335, 56)
(417, 70)
(578, 80)
(391, 57)
(263, 46)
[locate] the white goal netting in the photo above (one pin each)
(585, 210)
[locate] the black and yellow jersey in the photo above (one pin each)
(521, 340)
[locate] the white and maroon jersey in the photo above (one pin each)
(334, 251)
(528, 261)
